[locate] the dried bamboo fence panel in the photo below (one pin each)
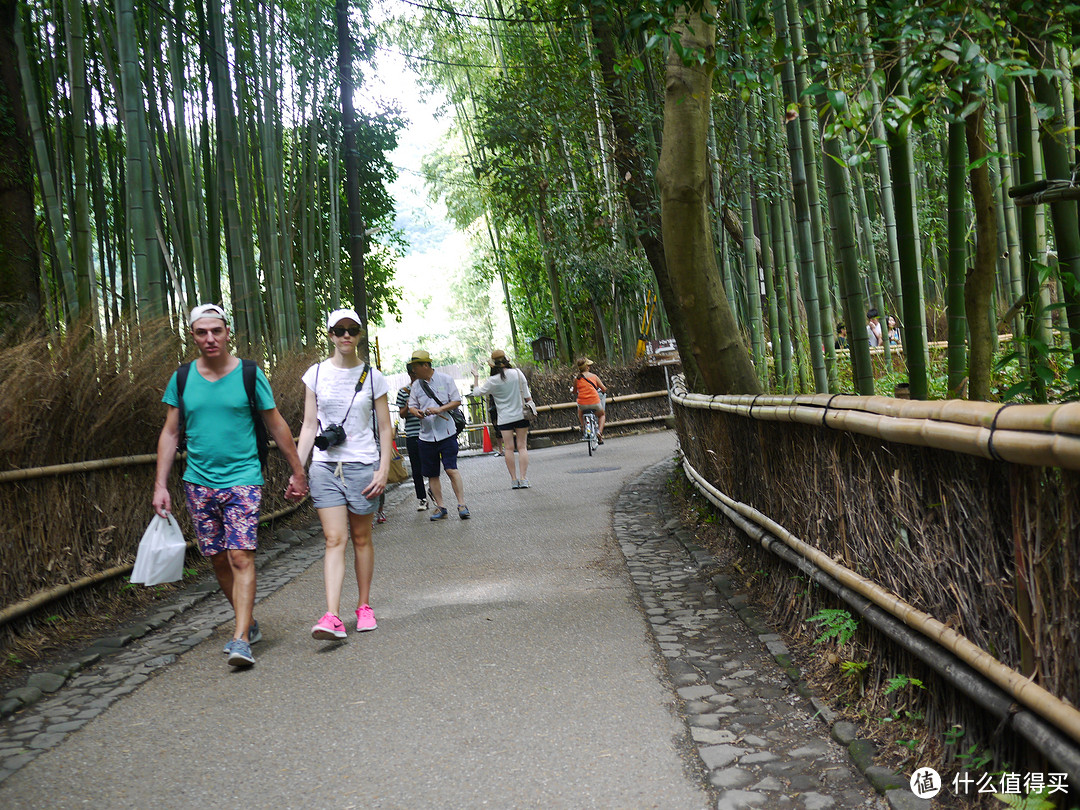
(72, 402)
(967, 511)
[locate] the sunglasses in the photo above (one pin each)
(340, 331)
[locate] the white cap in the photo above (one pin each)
(207, 311)
(340, 315)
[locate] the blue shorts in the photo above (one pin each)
(224, 518)
(432, 452)
(330, 488)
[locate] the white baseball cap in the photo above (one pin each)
(207, 311)
(340, 315)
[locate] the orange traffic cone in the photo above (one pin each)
(487, 440)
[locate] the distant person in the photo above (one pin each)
(210, 399)
(588, 391)
(841, 336)
(510, 390)
(412, 440)
(434, 395)
(873, 327)
(347, 431)
(893, 326)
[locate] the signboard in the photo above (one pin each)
(662, 352)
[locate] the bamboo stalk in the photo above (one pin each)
(1062, 715)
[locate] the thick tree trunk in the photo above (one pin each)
(352, 173)
(638, 188)
(20, 295)
(683, 176)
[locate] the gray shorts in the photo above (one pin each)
(347, 489)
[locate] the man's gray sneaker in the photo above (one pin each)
(240, 653)
(254, 636)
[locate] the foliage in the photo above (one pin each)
(836, 623)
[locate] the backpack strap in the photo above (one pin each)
(182, 372)
(248, 367)
(262, 439)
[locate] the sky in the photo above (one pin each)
(428, 268)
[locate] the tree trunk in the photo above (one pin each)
(684, 179)
(979, 287)
(956, 218)
(352, 172)
(638, 188)
(20, 295)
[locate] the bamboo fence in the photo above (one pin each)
(962, 512)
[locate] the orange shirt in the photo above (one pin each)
(586, 394)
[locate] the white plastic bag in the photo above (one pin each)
(161, 553)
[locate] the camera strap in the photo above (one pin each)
(359, 385)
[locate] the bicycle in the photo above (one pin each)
(591, 432)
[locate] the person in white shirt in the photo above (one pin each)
(873, 327)
(345, 398)
(433, 397)
(511, 392)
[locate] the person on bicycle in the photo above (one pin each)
(588, 390)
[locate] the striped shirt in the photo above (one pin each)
(412, 424)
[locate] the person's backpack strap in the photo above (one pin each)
(248, 367)
(181, 380)
(262, 438)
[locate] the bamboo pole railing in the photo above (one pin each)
(1025, 691)
(1038, 435)
(49, 595)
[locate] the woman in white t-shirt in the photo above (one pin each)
(510, 390)
(344, 399)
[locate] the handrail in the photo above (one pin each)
(1044, 726)
(1038, 435)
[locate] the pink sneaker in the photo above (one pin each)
(365, 619)
(328, 628)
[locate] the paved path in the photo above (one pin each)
(513, 667)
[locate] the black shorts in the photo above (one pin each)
(520, 423)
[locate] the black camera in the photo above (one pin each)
(331, 437)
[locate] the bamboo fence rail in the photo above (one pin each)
(1022, 689)
(50, 595)
(1038, 435)
(957, 518)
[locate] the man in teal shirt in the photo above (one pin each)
(223, 479)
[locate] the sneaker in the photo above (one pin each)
(365, 619)
(254, 636)
(328, 628)
(240, 653)
(380, 517)
(524, 483)
(463, 512)
(421, 505)
(517, 484)
(439, 513)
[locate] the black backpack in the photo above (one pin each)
(262, 439)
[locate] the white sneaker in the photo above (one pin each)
(523, 483)
(422, 506)
(516, 485)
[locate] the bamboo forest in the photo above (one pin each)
(749, 178)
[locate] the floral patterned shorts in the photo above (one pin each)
(224, 518)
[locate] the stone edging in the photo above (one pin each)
(894, 786)
(40, 684)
